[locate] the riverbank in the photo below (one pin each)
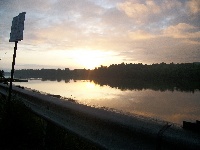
(20, 128)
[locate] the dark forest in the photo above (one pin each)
(162, 71)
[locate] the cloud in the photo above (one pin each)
(138, 30)
(138, 11)
(194, 6)
(170, 4)
(141, 35)
(152, 11)
(183, 31)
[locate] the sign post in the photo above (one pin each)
(15, 36)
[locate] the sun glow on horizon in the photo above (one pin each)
(90, 59)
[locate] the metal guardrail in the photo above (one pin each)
(109, 130)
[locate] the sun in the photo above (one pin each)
(89, 59)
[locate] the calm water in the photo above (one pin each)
(173, 106)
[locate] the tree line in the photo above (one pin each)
(162, 71)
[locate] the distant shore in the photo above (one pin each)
(162, 71)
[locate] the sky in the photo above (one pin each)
(79, 34)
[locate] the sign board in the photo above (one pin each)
(17, 28)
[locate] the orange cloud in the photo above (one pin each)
(141, 35)
(194, 6)
(137, 10)
(182, 31)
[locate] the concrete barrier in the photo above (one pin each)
(109, 130)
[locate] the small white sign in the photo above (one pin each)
(17, 28)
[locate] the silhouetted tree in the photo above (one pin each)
(1, 74)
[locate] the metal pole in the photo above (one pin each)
(12, 71)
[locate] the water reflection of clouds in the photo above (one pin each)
(170, 106)
(173, 106)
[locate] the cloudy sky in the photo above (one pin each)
(88, 33)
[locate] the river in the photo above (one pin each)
(169, 105)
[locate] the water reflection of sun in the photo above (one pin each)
(90, 85)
